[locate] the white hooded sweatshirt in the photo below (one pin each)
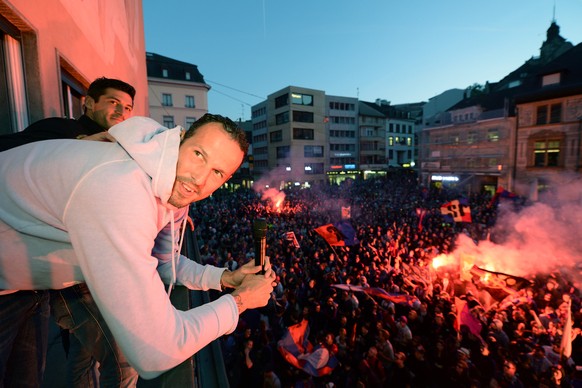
(84, 211)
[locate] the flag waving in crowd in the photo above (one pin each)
(502, 193)
(498, 284)
(341, 234)
(299, 352)
(458, 210)
(290, 236)
(331, 234)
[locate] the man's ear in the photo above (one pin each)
(89, 103)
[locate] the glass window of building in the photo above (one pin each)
(313, 168)
(188, 121)
(302, 117)
(312, 151)
(168, 122)
(283, 152)
(555, 113)
(546, 153)
(189, 102)
(303, 134)
(13, 101)
(276, 136)
(302, 99)
(167, 99)
(282, 100)
(493, 134)
(282, 118)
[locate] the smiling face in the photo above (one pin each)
(206, 161)
(112, 107)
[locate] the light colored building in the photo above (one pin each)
(53, 49)
(341, 122)
(472, 151)
(473, 144)
(178, 94)
(549, 130)
(400, 134)
(372, 138)
(289, 135)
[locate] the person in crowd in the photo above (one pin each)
(507, 378)
(108, 102)
(74, 219)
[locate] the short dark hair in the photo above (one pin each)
(235, 132)
(98, 87)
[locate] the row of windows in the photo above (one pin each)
(336, 133)
(342, 120)
(392, 127)
(296, 98)
(549, 114)
(309, 151)
(167, 100)
(298, 117)
(259, 138)
(492, 135)
(169, 122)
(342, 147)
(298, 134)
(259, 112)
(342, 106)
(473, 163)
(260, 124)
(187, 74)
(463, 117)
(397, 140)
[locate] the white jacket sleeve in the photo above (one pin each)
(112, 220)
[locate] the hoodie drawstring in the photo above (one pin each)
(176, 252)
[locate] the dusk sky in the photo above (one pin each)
(400, 51)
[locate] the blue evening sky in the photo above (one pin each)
(400, 51)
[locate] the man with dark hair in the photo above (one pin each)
(108, 102)
(113, 219)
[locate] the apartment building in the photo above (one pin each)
(341, 126)
(178, 94)
(289, 138)
(50, 55)
(473, 144)
(549, 125)
(400, 133)
(372, 139)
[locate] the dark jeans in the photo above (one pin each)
(24, 318)
(74, 309)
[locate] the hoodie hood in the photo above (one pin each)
(154, 147)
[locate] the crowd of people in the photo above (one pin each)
(374, 342)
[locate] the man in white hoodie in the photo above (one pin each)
(111, 215)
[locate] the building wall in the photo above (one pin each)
(568, 131)
(182, 115)
(292, 168)
(477, 152)
(341, 122)
(86, 39)
(400, 142)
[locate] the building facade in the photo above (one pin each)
(49, 56)
(372, 139)
(289, 138)
(178, 94)
(549, 126)
(476, 144)
(341, 126)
